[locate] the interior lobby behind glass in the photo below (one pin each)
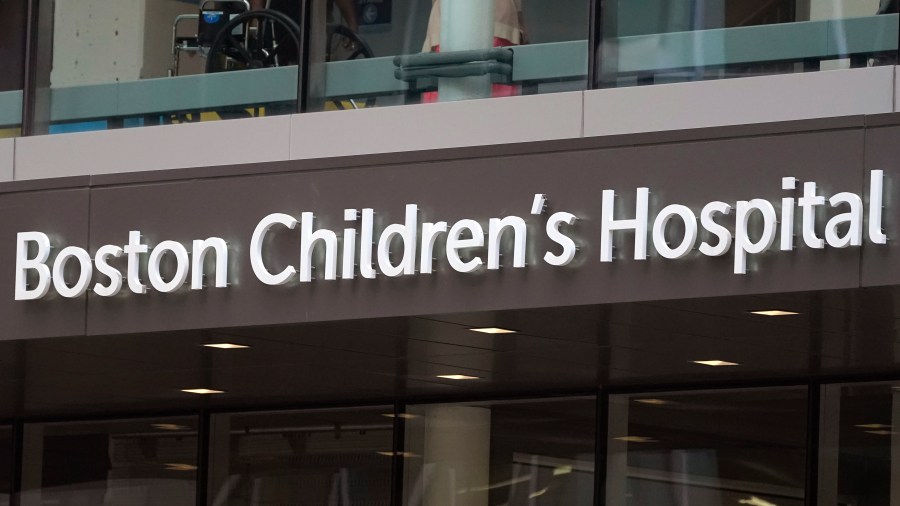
(545, 41)
(713, 448)
(128, 63)
(859, 455)
(313, 458)
(534, 453)
(141, 462)
(12, 62)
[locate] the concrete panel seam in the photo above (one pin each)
(583, 111)
(894, 88)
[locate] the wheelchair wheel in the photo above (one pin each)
(254, 40)
(344, 44)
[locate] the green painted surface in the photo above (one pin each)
(10, 108)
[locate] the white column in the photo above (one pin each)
(458, 445)
(466, 24)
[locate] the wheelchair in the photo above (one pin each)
(230, 36)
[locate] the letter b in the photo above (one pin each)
(37, 264)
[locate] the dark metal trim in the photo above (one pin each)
(594, 38)
(15, 491)
(300, 106)
(29, 92)
(600, 447)
(813, 412)
(203, 442)
(397, 460)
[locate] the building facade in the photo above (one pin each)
(468, 252)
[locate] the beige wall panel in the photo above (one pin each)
(7, 159)
(154, 148)
(435, 126)
(739, 101)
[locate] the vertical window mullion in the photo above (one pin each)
(15, 489)
(594, 40)
(30, 78)
(812, 442)
(600, 438)
(398, 448)
(203, 435)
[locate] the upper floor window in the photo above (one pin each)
(12, 61)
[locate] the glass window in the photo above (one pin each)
(314, 458)
(6, 460)
(132, 63)
(146, 462)
(503, 453)
(659, 41)
(369, 53)
(860, 445)
(12, 61)
(708, 448)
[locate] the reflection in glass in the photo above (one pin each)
(354, 48)
(660, 41)
(146, 462)
(860, 445)
(708, 448)
(517, 453)
(313, 458)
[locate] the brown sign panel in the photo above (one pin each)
(464, 186)
(62, 214)
(880, 266)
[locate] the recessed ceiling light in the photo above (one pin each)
(774, 312)
(405, 455)
(881, 432)
(180, 467)
(457, 377)
(636, 439)
(715, 363)
(405, 416)
(169, 426)
(226, 346)
(202, 391)
(654, 402)
(874, 426)
(493, 330)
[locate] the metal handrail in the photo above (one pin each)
(454, 64)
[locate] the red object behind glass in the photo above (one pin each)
(497, 90)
